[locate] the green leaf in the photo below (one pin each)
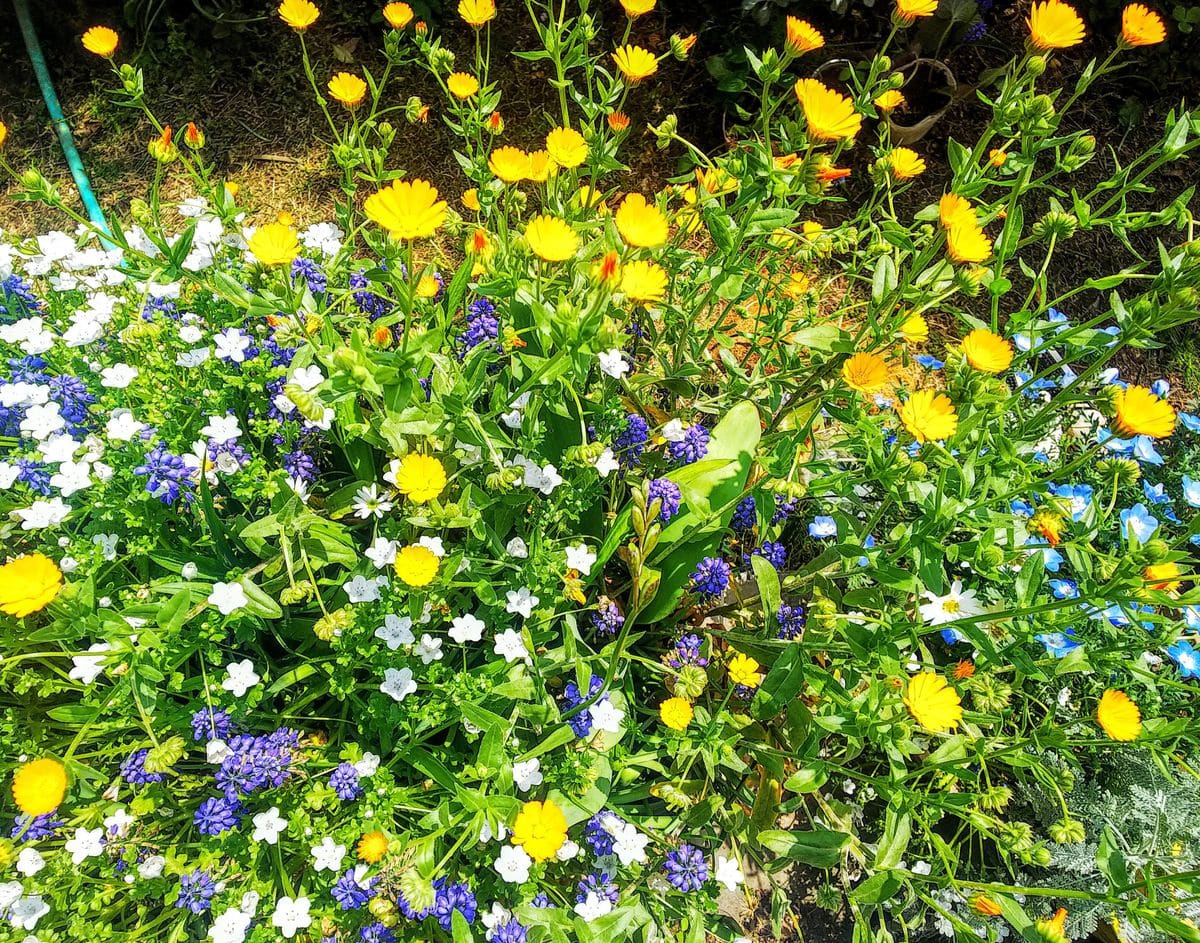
(876, 889)
(173, 613)
(821, 847)
(897, 829)
(806, 779)
(767, 578)
(884, 279)
(781, 685)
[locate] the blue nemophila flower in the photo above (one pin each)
(600, 884)
(1051, 558)
(344, 782)
(868, 544)
(1059, 644)
(710, 579)
(1021, 508)
(1118, 616)
(686, 868)
(452, 897)
(133, 770)
(692, 447)
(311, 273)
(1186, 657)
(1064, 589)
(668, 493)
(353, 889)
(607, 619)
(1031, 387)
(1160, 388)
(745, 515)
(217, 815)
(1191, 492)
(791, 621)
(211, 724)
(1139, 522)
(952, 636)
(822, 527)
(1191, 617)
(1077, 497)
(196, 891)
(40, 826)
(510, 931)
(929, 362)
(167, 476)
(1190, 422)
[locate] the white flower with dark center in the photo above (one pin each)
(398, 684)
(955, 605)
(395, 631)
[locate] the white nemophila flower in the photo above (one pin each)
(189, 571)
(43, 513)
(40, 422)
(955, 605)
(107, 544)
(398, 684)
(222, 428)
(216, 750)
(527, 774)
(362, 589)
(512, 418)
(493, 918)
(10, 893)
(87, 668)
(540, 478)
(291, 914)
(511, 645)
(729, 873)
(323, 237)
(606, 462)
(606, 716)
(567, 851)
(230, 927)
(118, 822)
(232, 344)
(613, 363)
(517, 549)
(193, 207)
(328, 855)
(580, 557)
(60, 448)
(23, 394)
(190, 359)
(513, 864)
(30, 862)
(118, 376)
(466, 628)
(269, 825)
(486, 834)
(521, 601)
(27, 911)
(240, 677)
(396, 631)
(369, 503)
(190, 333)
(121, 426)
(382, 552)
(674, 430)
(368, 765)
(72, 477)
(307, 378)
(8, 475)
(593, 907)
(629, 845)
(429, 649)
(87, 843)
(228, 598)
(433, 545)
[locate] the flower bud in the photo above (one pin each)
(690, 682)
(682, 45)
(1068, 831)
(1036, 66)
(193, 137)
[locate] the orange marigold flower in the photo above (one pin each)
(101, 41)
(829, 114)
(398, 15)
(802, 37)
(1141, 26)
(618, 121)
(964, 669)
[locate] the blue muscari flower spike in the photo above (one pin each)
(686, 868)
(668, 493)
(631, 443)
(581, 723)
(168, 478)
(745, 515)
(376, 933)
(41, 826)
(16, 299)
(217, 815)
(34, 475)
(692, 447)
(711, 577)
(1059, 644)
(349, 893)
(607, 619)
(196, 891)
(772, 551)
(1186, 657)
(133, 770)
(601, 884)
(311, 273)
(344, 782)
(791, 621)
(449, 898)
(211, 724)
(510, 931)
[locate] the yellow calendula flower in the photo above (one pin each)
(39, 786)
(1141, 26)
(416, 565)
(796, 285)
(644, 281)
(510, 164)
(744, 670)
(676, 713)
(984, 906)
(802, 36)
(428, 287)
(830, 115)
(1118, 716)
(1053, 929)
(3, 133)
(933, 703)
(462, 85)
(372, 847)
(915, 329)
(298, 14)
(1140, 412)
(966, 242)
(635, 8)
(905, 163)
(618, 121)
(635, 62)
(274, 244)
(476, 13)
(566, 147)
(541, 166)
(865, 372)
(1163, 576)
(541, 829)
(997, 158)
(551, 239)
(398, 15)
(929, 416)
(909, 10)
(890, 100)
(987, 352)
(407, 209)
(640, 222)
(101, 41)
(28, 584)
(347, 89)
(420, 478)
(954, 209)
(1054, 25)
(470, 199)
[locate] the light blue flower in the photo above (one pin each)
(1190, 422)
(1021, 508)
(1144, 450)
(1191, 491)
(1079, 497)
(1191, 617)
(1059, 644)
(822, 527)
(1186, 657)
(1110, 376)
(928, 362)
(1054, 316)
(1160, 388)
(1023, 342)
(1051, 558)
(1064, 589)
(950, 636)
(1139, 522)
